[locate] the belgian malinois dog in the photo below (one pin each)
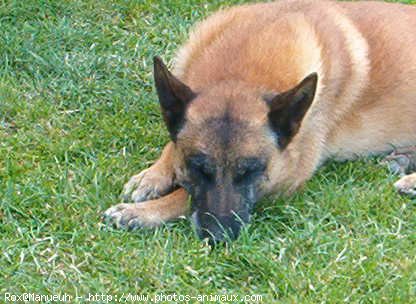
(261, 95)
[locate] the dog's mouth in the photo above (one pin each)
(219, 213)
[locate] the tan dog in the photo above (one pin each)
(262, 95)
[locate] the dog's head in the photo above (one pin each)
(227, 138)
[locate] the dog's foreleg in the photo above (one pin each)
(150, 213)
(154, 182)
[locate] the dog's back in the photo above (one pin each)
(366, 98)
(385, 113)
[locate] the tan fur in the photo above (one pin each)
(365, 57)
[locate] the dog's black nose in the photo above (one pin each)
(218, 228)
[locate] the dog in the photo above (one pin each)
(263, 94)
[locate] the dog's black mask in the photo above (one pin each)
(223, 196)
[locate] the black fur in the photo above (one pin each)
(288, 109)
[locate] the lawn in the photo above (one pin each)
(79, 116)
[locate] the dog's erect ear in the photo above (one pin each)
(174, 96)
(288, 109)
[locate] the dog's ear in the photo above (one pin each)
(174, 97)
(288, 109)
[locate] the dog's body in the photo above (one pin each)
(364, 99)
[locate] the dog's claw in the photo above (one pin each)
(134, 224)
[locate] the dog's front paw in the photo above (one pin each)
(407, 185)
(128, 216)
(147, 185)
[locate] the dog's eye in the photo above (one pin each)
(249, 169)
(200, 167)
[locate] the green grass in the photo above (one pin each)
(78, 116)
